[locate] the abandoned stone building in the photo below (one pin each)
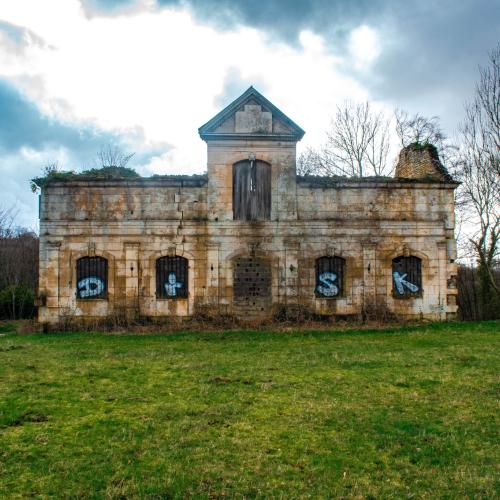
(250, 237)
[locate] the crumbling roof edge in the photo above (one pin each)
(314, 181)
(434, 156)
(197, 180)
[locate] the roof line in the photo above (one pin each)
(250, 92)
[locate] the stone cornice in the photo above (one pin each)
(213, 136)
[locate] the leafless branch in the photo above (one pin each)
(417, 128)
(112, 156)
(357, 144)
(479, 169)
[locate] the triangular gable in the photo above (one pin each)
(251, 116)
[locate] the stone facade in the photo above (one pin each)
(363, 229)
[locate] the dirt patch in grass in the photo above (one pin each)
(27, 417)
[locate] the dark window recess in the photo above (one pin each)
(330, 273)
(91, 278)
(252, 190)
(172, 278)
(406, 277)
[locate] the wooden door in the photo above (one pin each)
(251, 190)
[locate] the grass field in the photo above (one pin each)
(396, 413)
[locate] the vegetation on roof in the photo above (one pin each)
(417, 146)
(103, 173)
(434, 155)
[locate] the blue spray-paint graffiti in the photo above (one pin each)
(90, 287)
(400, 283)
(328, 288)
(171, 285)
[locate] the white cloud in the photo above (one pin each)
(17, 170)
(160, 71)
(364, 47)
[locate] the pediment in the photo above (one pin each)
(251, 116)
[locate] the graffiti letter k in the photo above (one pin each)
(400, 282)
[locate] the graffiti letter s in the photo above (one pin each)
(330, 289)
(90, 287)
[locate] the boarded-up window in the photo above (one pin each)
(330, 273)
(252, 190)
(91, 278)
(406, 277)
(172, 278)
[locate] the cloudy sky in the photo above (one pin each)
(76, 75)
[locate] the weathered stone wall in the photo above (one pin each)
(141, 199)
(366, 223)
(376, 200)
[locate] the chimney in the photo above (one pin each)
(421, 161)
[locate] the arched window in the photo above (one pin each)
(251, 190)
(172, 278)
(92, 278)
(330, 273)
(406, 277)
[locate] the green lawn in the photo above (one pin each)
(396, 413)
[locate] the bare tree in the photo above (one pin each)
(418, 129)
(378, 148)
(488, 100)
(357, 141)
(6, 222)
(309, 163)
(411, 129)
(478, 169)
(112, 156)
(357, 144)
(18, 264)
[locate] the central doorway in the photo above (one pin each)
(252, 286)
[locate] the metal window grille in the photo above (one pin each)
(92, 278)
(172, 278)
(330, 273)
(407, 277)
